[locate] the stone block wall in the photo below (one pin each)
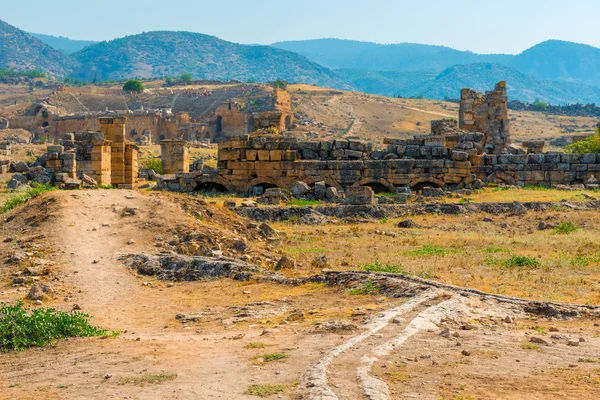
(113, 129)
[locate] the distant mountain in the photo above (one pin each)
(21, 51)
(553, 59)
(205, 57)
(482, 77)
(62, 43)
(558, 60)
(402, 57)
(386, 83)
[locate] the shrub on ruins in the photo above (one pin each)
(586, 146)
(186, 78)
(21, 328)
(154, 164)
(133, 85)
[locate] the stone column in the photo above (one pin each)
(131, 164)
(175, 156)
(113, 129)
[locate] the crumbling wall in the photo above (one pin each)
(487, 114)
(231, 121)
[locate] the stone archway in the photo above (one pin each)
(378, 185)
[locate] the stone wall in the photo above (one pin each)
(487, 114)
(449, 162)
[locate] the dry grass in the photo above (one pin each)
(508, 255)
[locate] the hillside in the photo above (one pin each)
(205, 57)
(386, 83)
(558, 60)
(62, 43)
(524, 87)
(21, 51)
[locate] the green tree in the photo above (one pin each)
(133, 85)
(539, 105)
(186, 77)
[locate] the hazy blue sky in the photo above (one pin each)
(483, 26)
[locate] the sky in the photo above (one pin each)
(483, 26)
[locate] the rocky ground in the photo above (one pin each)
(300, 333)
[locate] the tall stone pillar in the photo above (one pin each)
(113, 129)
(175, 156)
(131, 164)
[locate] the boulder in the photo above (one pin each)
(299, 189)
(20, 166)
(331, 193)
(285, 262)
(320, 262)
(320, 189)
(88, 181)
(38, 291)
(72, 184)
(360, 195)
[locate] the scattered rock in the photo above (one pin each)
(320, 262)
(285, 262)
(407, 224)
(38, 291)
(538, 340)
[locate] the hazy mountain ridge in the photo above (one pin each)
(552, 59)
(63, 43)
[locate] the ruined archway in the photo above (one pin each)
(419, 186)
(45, 124)
(420, 183)
(378, 186)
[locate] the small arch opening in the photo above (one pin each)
(266, 186)
(419, 186)
(212, 187)
(378, 187)
(45, 124)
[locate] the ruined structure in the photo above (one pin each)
(469, 155)
(234, 119)
(487, 114)
(104, 156)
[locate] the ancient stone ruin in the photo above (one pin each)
(464, 156)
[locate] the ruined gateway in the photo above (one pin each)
(470, 154)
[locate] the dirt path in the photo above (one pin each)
(216, 359)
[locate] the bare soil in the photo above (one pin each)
(394, 351)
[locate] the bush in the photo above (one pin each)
(521, 262)
(585, 146)
(36, 190)
(133, 85)
(21, 329)
(264, 390)
(154, 164)
(186, 77)
(565, 228)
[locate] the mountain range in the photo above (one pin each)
(553, 71)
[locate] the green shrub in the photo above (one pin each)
(565, 228)
(186, 77)
(379, 267)
(367, 288)
(264, 390)
(36, 190)
(21, 329)
(430, 250)
(303, 203)
(585, 146)
(269, 357)
(521, 262)
(154, 164)
(133, 85)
